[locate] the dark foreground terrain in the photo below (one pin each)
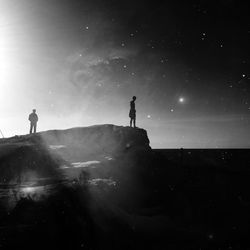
(103, 187)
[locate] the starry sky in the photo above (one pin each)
(79, 62)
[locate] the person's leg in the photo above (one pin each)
(31, 128)
(35, 128)
(130, 122)
(134, 122)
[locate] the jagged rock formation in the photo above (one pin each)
(97, 139)
(28, 156)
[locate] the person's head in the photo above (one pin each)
(34, 110)
(134, 98)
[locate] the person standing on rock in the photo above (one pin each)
(132, 112)
(33, 118)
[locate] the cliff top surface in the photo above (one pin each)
(107, 135)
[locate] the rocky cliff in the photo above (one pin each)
(41, 154)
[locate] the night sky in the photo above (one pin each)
(79, 62)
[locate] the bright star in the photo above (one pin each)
(181, 100)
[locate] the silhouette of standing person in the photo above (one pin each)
(33, 118)
(132, 112)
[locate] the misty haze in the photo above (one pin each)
(124, 124)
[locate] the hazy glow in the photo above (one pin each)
(80, 69)
(28, 190)
(6, 61)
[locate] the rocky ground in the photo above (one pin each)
(103, 187)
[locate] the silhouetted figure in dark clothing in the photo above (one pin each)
(33, 118)
(132, 112)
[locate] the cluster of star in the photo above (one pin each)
(165, 52)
